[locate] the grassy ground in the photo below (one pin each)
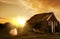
(32, 36)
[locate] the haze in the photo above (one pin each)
(27, 8)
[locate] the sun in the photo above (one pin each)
(19, 21)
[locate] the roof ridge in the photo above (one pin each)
(44, 13)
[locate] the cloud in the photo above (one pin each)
(43, 5)
(40, 6)
(9, 1)
(30, 7)
(36, 5)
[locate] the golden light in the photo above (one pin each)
(19, 21)
(13, 32)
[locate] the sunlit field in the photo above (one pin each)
(32, 36)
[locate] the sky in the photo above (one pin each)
(28, 8)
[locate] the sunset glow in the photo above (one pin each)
(29, 19)
(19, 21)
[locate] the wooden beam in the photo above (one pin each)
(52, 27)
